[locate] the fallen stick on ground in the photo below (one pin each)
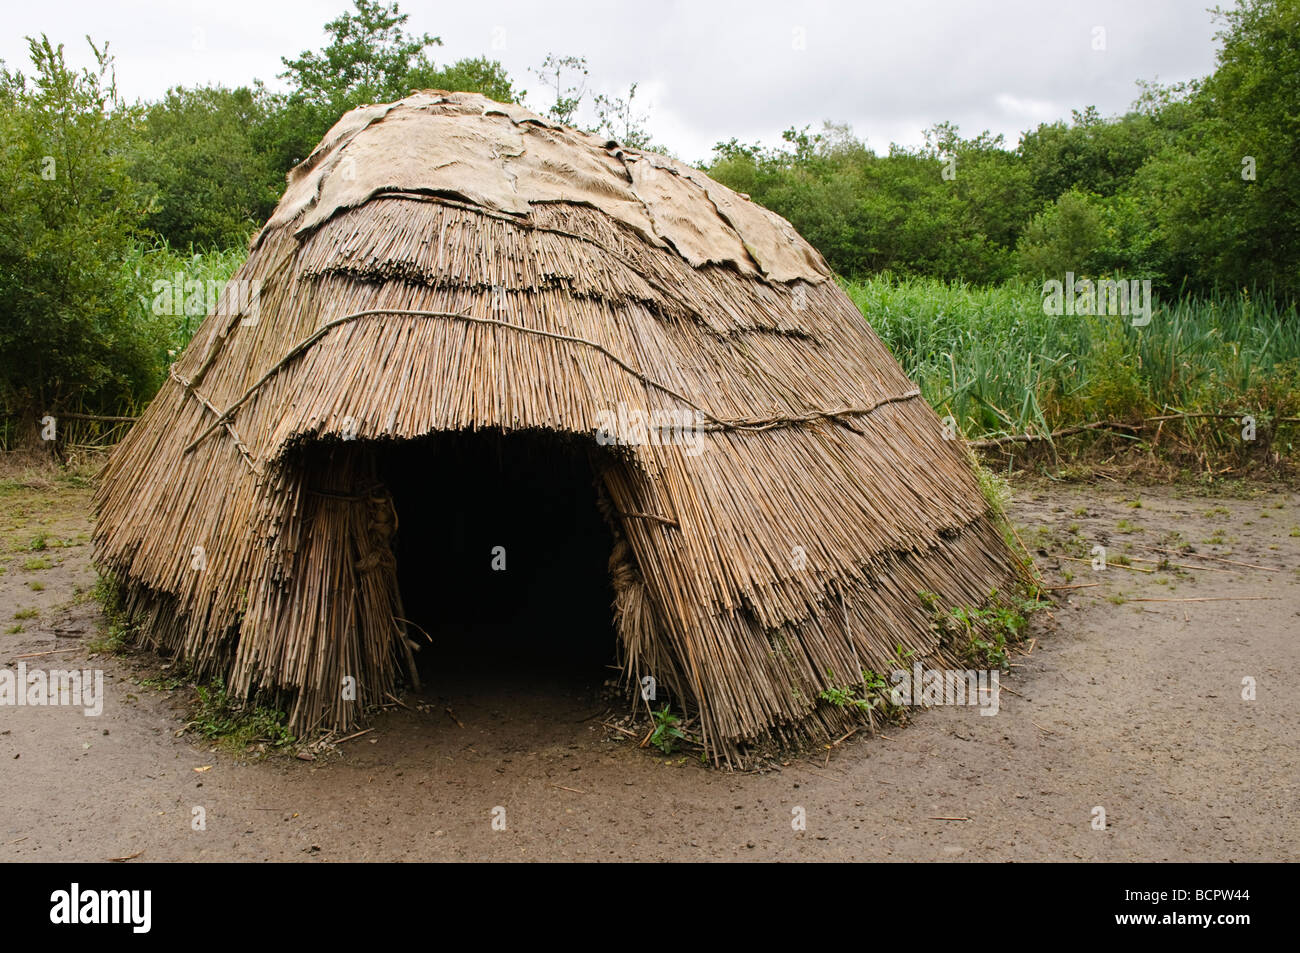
(1289, 420)
(991, 442)
(357, 735)
(99, 417)
(1211, 599)
(1182, 566)
(51, 652)
(1035, 438)
(845, 735)
(1217, 559)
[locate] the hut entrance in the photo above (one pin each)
(502, 557)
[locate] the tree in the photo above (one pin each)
(199, 154)
(477, 75)
(1223, 191)
(568, 97)
(901, 212)
(1067, 236)
(67, 214)
(1090, 153)
(370, 59)
(618, 120)
(1255, 92)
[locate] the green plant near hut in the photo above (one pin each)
(843, 697)
(981, 636)
(666, 730)
(117, 630)
(874, 688)
(221, 718)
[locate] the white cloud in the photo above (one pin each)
(1028, 111)
(709, 71)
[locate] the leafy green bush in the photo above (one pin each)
(69, 210)
(1068, 236)
(198, 154)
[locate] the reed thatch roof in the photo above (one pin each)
(447, 263)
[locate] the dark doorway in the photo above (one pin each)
(468, 504)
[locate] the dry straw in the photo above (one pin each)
(399, 299)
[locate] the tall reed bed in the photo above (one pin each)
(992, 359)
(172, 328)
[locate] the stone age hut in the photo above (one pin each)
(463, 315)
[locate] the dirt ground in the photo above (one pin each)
(1130, 705)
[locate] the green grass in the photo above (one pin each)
(992, 359)
(220, 717)
(111, 641)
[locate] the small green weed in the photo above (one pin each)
(981, 636)
(666, 730)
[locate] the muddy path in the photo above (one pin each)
(1130, 705)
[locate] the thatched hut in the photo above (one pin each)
(446, 270)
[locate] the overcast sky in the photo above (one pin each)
(706, 70)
